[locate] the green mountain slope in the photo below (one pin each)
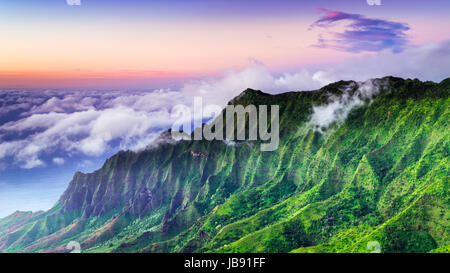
(378, 173)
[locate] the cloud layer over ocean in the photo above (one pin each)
(38, 128)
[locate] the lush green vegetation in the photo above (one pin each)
(382, 175)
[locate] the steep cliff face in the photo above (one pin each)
(356, 163)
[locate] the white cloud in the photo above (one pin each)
(58, 161)
(33, 162)
(69, 103)
(427, 62)
(131, 120)
(338, 108)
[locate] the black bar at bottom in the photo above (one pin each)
(224, 262)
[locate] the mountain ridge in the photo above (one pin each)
(209, 196)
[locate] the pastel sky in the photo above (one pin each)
(80, 83)
(148, 44)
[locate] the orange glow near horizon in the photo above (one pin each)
(51, 54)
(88, 79)
(79, 54)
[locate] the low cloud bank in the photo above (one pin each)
(338, 108)
(86, 123)
(429, 61)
